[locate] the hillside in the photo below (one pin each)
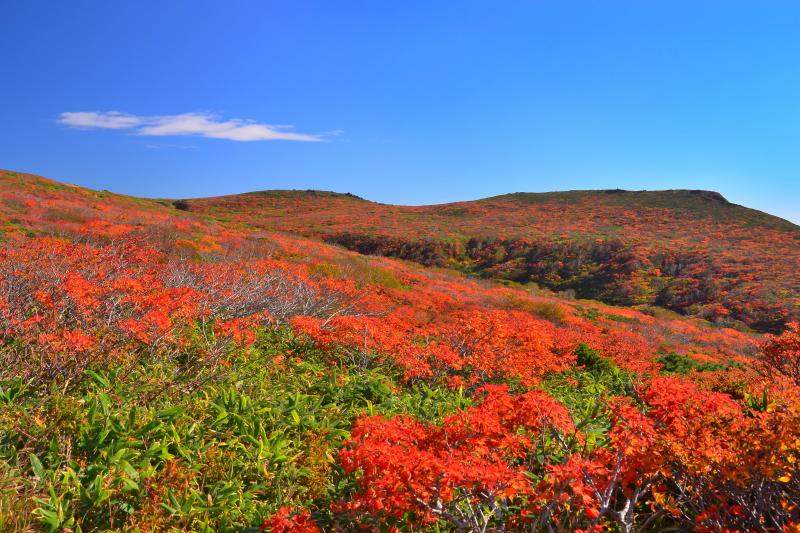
(689, 251)
(215, 365)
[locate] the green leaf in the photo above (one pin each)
(105, 402)
(170, 413)
(130, 485)
(36, 466)
(50, 518)
(129, 469)
(97, 378)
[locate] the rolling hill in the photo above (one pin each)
(229, 364)
(686, 250)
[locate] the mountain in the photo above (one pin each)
(690, 251)
(225, 364)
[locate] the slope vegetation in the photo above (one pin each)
(171, 368)
(689, 251)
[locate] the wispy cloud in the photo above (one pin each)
(107, 120)
(200, 124)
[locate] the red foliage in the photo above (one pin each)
(690, 251)
(91, 278)
(782, 354)
(65, 305)
(474, 457)
(688, 450)
(288, 520)
(475, 346)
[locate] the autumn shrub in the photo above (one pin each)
(468, 472)
(163, 369)
(547, 310)
(462, 348)
(669, 465)
(782, 354)
(288, 520)
(67, 306)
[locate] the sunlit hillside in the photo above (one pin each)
(514, 363)
(689, 251)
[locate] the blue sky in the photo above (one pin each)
(406, 102)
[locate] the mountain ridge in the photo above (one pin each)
(703, 194)
(692, 194)
(651, 197)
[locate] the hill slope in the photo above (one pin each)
(689, 251)
(172, 370)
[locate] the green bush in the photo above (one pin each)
(674, 363)
(593, 361)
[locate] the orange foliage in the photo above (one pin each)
(88, 277)
(407, 466)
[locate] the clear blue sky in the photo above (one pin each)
(406, 102)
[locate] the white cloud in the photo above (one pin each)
(202, 124)
(109, 119)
